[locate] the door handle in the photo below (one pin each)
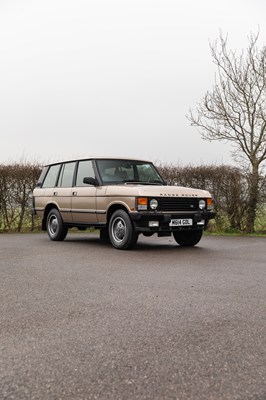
(55, 193)
(74, 193)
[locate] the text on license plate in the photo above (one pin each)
(181, 222)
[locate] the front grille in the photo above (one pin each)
(178, 204)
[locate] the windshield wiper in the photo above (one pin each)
(130, 181)
(143, 182)
(157, 182)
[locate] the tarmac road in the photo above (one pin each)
(81, 320)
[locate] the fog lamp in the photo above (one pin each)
(201, 222)
(153, 224)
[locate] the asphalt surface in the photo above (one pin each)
(81, 320)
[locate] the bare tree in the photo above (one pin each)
(235, 110)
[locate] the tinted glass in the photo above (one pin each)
(85, 169)
(66, 175)
(51, 177)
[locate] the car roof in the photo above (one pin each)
(98, 158)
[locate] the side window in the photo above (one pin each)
(66, 175)
(51, 177)
(42, 176)
(85, 169)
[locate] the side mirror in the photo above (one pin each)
(90, 181)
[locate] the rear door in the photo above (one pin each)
(63, 191)
(45, 192)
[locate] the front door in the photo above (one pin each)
(83, 196)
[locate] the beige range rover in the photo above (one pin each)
(122, 198)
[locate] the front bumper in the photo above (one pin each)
(141, 220)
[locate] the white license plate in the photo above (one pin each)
(181, 222)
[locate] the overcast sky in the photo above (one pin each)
(112, 77)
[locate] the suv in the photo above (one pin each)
(122, 198)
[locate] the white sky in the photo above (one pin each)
(112, 77)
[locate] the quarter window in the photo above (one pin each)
(51, 177)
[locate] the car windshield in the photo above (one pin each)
(128, 172)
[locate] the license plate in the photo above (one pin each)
(181, 222)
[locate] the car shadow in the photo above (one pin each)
(143, 244)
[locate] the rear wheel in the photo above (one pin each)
(56, 229)
(121, 231)
(188, 238)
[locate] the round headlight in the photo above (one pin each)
(153, 204)
(202, 204)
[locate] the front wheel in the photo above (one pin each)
(188, 238)
(56, 229)
(122, 234)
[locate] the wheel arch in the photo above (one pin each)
(47, 209)
(113, 208)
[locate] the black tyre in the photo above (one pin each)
(56, 229)
(121, 231)
(188, 238)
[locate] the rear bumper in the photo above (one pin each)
(141, 221)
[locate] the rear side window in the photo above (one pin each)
(85, 170)
(51, 177)
(66, 175)
(42, 176)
